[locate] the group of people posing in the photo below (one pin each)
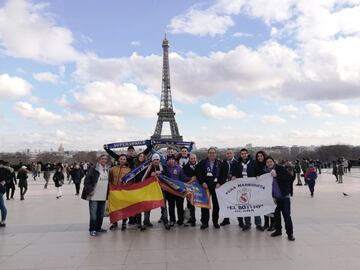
(210, 172)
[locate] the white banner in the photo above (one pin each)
(245, 197)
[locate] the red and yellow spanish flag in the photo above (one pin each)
(128, 200)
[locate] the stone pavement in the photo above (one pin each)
(45, 233)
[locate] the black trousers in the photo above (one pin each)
(205, 213)
(248, 221)
(179, 203)
(23, 191)
(311, 185)
(8, 188)
(192, 211)
(283, 207)
(77, 188)
(269, 221)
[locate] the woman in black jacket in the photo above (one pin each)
(281, 189)
(59, 179)
(77, 173)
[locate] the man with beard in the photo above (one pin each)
(248, 169)
(229, 170)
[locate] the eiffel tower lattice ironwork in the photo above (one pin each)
(166, 113)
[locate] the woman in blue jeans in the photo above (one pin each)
(281, 189)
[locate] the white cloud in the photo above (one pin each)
(273, 120)
(289, 108)
(245, 71)
(46, 77)
(332, 109)
(135, 43)
(13, 87)
(242, 34)
(275, 10)
(324, 38)
(200, 22)
(338, 108)
(38, 114)
(62, 70)
(122, 100)
(316, 110)
(25, 32)
(35, 100)
(113, 121)
(62, 101)
(228, 112)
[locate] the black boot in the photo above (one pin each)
(291, 237)
(204, 226)
(225, 222)
(276, 233)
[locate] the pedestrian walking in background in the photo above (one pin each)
(341, 171)
(335, 170)
(76, 174)
(304, 164)
(10, 185)
(58, 179)
(297, 170)
(311, 177)
(23, 183)
(47, 169)
(349, 166)
(38, 169)
(33, 170)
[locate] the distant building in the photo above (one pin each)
(61, 149)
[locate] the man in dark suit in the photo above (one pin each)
(207, 173)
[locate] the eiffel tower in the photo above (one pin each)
(166, 113)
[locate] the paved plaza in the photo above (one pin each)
(45, 233)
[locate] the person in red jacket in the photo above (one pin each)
(311, 176)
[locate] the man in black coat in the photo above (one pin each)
(207, 173)
(11, 183)
(189, 171)
(77, 174)
(248, 168)
(5, 175)
(229, 170)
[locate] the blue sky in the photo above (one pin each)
(86, 73)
